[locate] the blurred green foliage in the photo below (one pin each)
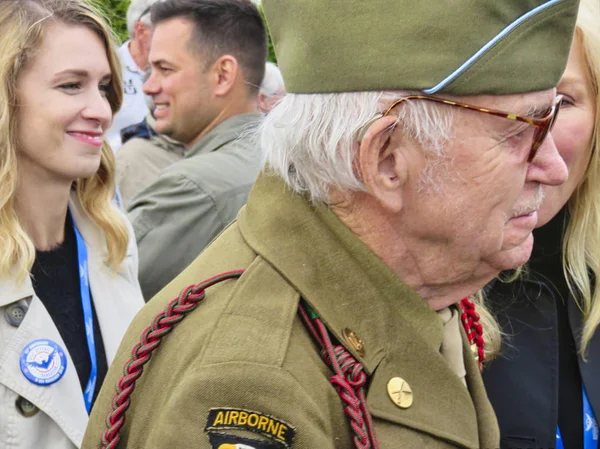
(272, 57)
(116, 12)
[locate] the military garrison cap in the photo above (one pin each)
(460, 47)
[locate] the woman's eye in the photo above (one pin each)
(104, 89)
(566, 102)
(70, 86)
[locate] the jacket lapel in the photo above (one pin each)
(61, 401)
(450, 415)
(486, 417)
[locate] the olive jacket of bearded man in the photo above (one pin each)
(245, 350)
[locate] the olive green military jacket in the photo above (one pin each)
(243, 369)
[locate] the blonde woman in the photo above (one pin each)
(68, 265)
(545, 386)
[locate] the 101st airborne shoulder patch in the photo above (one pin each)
(256, 422)
(220, 440)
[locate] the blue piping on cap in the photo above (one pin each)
(489, 45)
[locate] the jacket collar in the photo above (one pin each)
(224, 132)
(333, 270)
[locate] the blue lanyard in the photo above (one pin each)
(590, 427)
(118, 199)
(86, 302)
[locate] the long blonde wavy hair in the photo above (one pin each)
(581, 241)
(22, 27)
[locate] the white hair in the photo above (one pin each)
(272, 81)
(309, 140)
(134, 14)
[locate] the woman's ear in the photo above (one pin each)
(382, 167)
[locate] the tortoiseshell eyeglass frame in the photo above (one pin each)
(543, 125)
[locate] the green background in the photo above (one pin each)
(116, 12)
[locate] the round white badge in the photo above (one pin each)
(43, 362)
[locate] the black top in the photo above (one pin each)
(55, 278)
(536, 383)
(546, 266)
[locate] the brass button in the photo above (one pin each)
(355, 343)
(400, 392)
(26, 408)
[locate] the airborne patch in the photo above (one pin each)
(227, 441)
(233, 418)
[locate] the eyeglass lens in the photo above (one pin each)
(542, 132)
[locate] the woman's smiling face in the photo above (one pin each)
(63, 105)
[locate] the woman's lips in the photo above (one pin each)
(91, 138)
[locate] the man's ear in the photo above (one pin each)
(226, 72)
(383, 169)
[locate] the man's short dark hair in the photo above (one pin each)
(222, 27)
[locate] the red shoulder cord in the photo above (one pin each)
(163, 323)
(349, 376)
(474, 330)
(349, 379)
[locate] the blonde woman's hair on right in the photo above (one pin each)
(581, 243)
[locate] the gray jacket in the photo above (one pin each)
(178, 215)
(140, 161)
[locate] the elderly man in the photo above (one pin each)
(271, 89)
(134, 59)
(395, 188)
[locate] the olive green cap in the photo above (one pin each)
(459, 47)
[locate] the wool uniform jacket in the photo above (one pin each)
(55, 415)
(245, 353)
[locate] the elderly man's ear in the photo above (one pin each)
(383, 167)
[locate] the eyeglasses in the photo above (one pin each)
(542, 125)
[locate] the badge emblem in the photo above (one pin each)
(227, 441)
(590, 425)
(43, 362)
(220, 419)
